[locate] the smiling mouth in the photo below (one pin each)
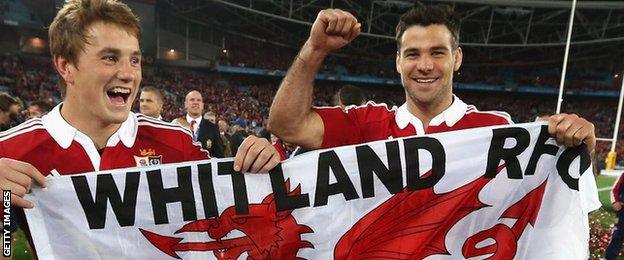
(118, 95)
(426, 81)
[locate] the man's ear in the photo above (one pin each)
(459, 56)
(64, 68)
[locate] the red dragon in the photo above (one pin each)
(268, 234)
(414, 225)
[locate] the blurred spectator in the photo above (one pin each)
(151, 102)
(240, 133)
(211, 117)
(7, 104)
(350, 95)
(38, 108)
(225, 138)
(16, 112)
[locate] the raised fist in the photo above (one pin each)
(333, 29)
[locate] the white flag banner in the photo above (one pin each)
(498, 193)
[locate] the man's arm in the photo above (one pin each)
(291, 117)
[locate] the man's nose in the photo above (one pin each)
(424, 64)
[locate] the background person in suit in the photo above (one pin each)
(210, 138)
(203, 131)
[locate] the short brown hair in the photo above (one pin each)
(68, 30)
(425, 15)
(155, 91)
(44, 106)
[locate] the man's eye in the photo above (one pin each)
(136, 60)
(111, 59)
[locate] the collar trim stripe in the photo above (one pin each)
(143, 120)
(20, 131)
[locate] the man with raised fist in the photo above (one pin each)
(428, 53)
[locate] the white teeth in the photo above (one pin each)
(120, 90)
(425, 80)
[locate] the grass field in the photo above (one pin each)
(601, 222)
(20, 252)
(604, 184)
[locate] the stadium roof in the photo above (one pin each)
(495, 30)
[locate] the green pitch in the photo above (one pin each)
(20, 251)
(604, 184)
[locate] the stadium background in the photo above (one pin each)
(236, 52)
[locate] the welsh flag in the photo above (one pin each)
(504, 192)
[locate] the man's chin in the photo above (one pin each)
(118, 117)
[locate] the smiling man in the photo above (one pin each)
(95, 50)
(428, 54)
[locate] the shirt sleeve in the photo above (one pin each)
(341, 128)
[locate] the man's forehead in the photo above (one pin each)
(108, 36)
(147, 94)
(193, 95)
(426, 37)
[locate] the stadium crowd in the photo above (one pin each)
(244, 52)
(231, 97)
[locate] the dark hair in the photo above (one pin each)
(425, 15)
(6, 101)
(44, 106)
(351, 95)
